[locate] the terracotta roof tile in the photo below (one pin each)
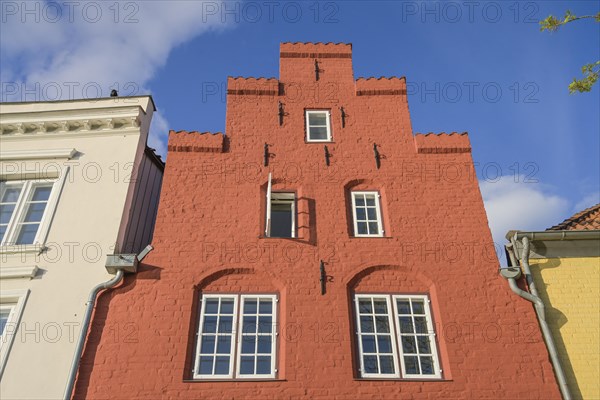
(588, 219)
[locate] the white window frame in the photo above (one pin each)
(15, 299)
(28, 186)
(377, 211)
(391, 299)
(279, 198)
(236, 343)
(392, 335)
(308, 126)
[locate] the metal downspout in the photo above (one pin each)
(85, 327)
(539, 306)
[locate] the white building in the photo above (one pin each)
(77, 182)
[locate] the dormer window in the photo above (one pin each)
(318, 126)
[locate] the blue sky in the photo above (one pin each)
(476, 66)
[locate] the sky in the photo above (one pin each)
(482, 67)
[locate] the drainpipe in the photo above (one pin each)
(116, 264)
(512, 274)
(91, 302)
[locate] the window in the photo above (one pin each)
(23, 207)
(5, 312)
(281, 214)
(226, 352)
(367, 214)
(12, 303)
(395, 333)
(318, 126)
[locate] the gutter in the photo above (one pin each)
(116, 264)
(554, 235)
(512, 274)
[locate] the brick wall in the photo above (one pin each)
(209, 239)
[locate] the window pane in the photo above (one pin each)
(2, 232)
(206, 365)
(380, 306)
(4, 314)
(247, 366)
(266, 306)
(372, 213)
(368, 344)
(250, 306)
(27, 234)
(403, 306)
(41, 193)
(387, 364)
(208, 345)
(373, 228)
(370, 363)
(423, 343)
(318, 133)
(384, 344)
(370, 200)
(360, 214)
(11, 195)
(212, 305)
(420, 325)
(281, 220)
(383, 325)
(265, 324)
(418, 307)
(35, 212)
(362, 228)
(263, 365)
(210, 324)
(6, 212)
(227, 306)
(248, 344)
(224, 345)
(249, 324)
(222, 366)
(408, 344)
(406, 325)
(364, 306)
(319, 118)
(225, 324)
(366, 324)
(411, 364)
(264, 345)
(427, 365)
(359, 199)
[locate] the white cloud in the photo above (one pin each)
(514, 203)
(94, 45)
(588, 201)
(159, 128)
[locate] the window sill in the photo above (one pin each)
(371, 237)
(296, 239)
(403, 379)
(21, 249)
(319, 141)
(229, 380)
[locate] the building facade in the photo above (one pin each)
(77, 182)
(318, 249)
(564, 264)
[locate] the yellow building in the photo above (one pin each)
(562, 269)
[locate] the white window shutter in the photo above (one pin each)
(268, 221)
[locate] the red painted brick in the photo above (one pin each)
(208, 238)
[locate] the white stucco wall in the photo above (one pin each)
(89, 219)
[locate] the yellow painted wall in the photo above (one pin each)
(570, 288)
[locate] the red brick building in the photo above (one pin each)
(317, 250)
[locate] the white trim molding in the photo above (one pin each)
(26, 271)
(16, 300)
(38, 154)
